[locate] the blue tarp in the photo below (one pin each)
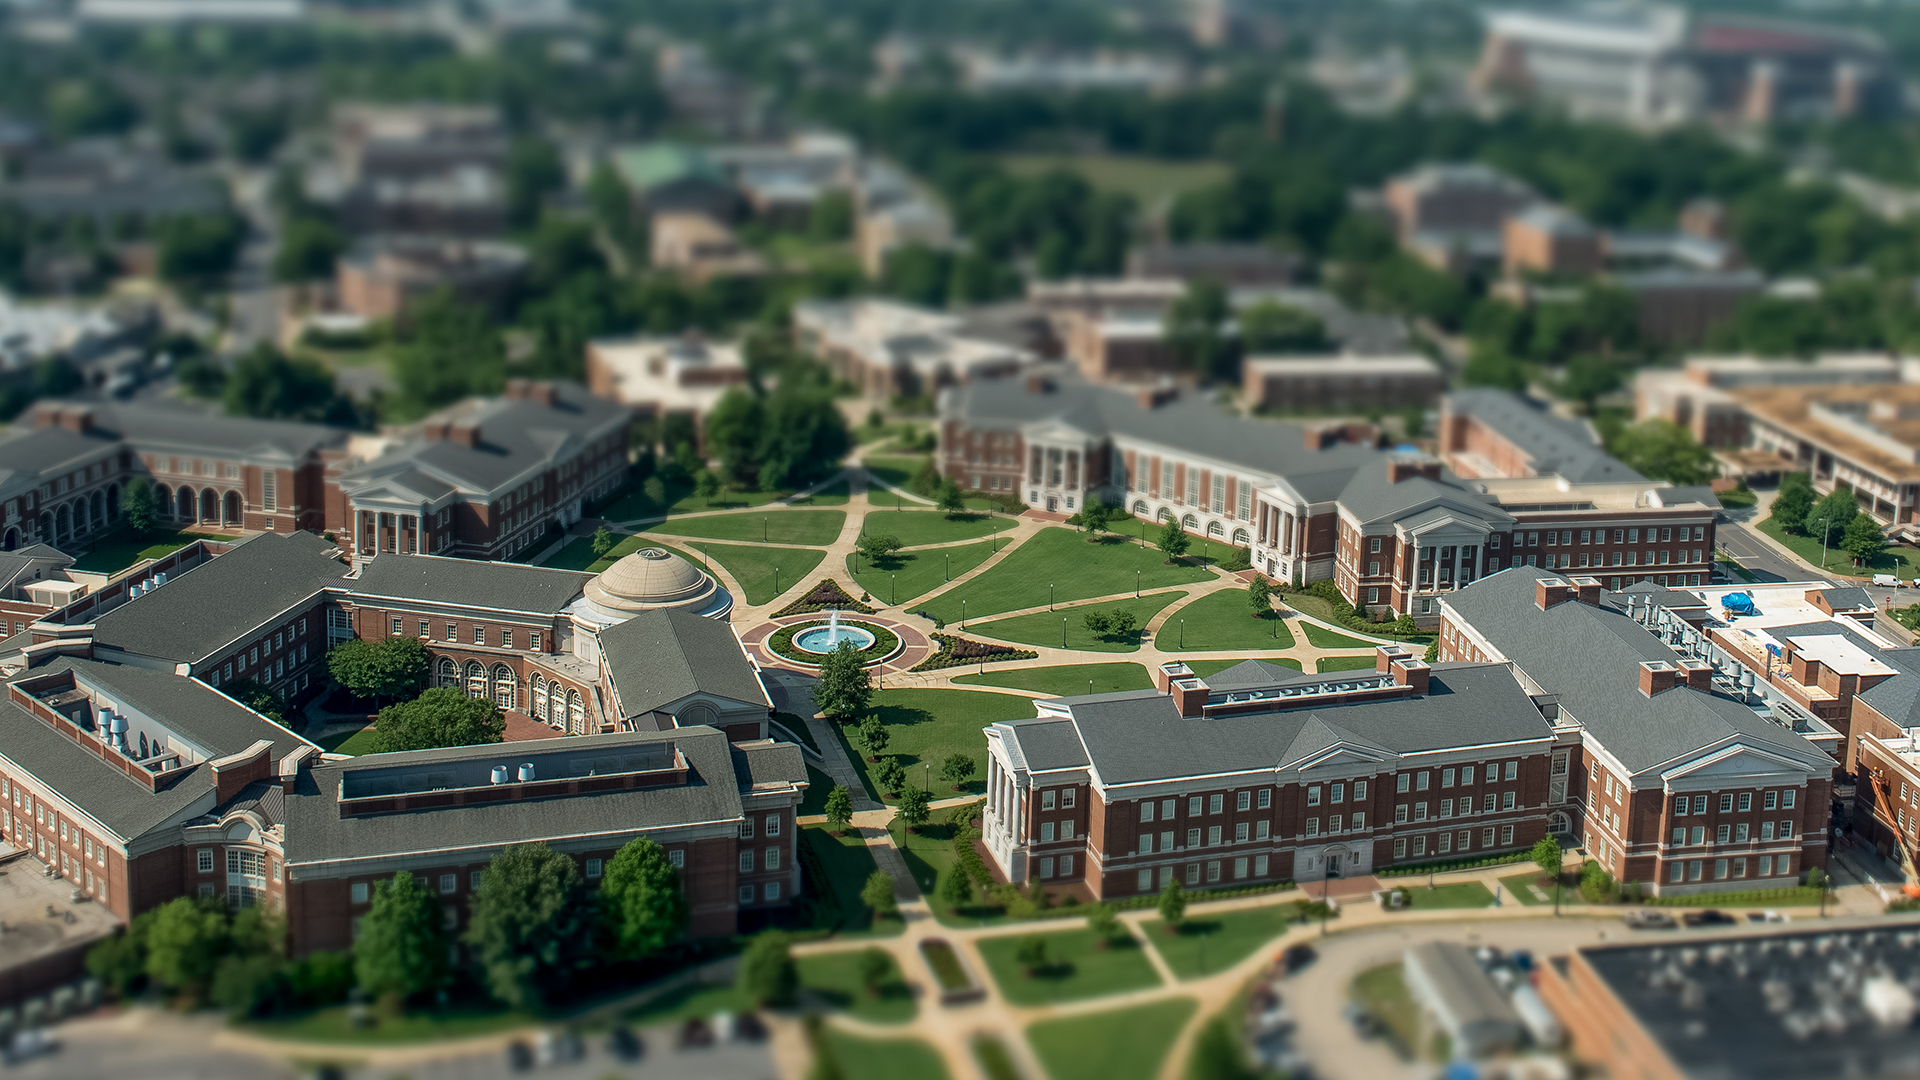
(1739, 602)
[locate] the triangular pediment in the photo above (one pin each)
(1735, 761)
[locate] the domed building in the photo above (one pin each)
(651, 579)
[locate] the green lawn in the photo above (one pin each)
(753, 567)
(1124, 1044)
(1075, 968)
(819, 785)
(895, 470)
(929, 857)
(334, 1024)
(1204, 668)
(834, 494)
(835, 979)
(1522, 887)
(1147, 179)
(635, 505)
(929, 725)
(578, 554)
(1382, 992)
(883, 1059)
(1902, 561)
(1209, 944)
(1469, 894)
(1067, 680)
(350, 742)
(909, 574)
(1344, 663)
(848, 865)
(118, 549)
(1062, 558)
(780, 526)
(1223, 620)
(916, 527)
(1321, 637)
(1044, 627)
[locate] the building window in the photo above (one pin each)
(358, 890)
(593, 867)
(474, 879)
(534, 640)
(773, 859)
(773, 824)
(269, 489)
(678, 857)
(206, 861)
(453, 632)
(771, 891)
(1265, 801)
(479, 635)
(1143, 881)
(746, 894)
(746, 861)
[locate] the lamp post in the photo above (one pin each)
(891, 579)
(1136, 584)
(764, 534)
(1826, 529)
(1183, 633)
(776, 581)
(1063, 631)
(949, 567)
(963, 614)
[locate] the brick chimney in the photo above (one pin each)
(1164, 678)
(1039, 384)
(1588, 589)
(464, 434)
(1656, 676)
(236, 771)
(297, 761)
(1550, 591)
(544, 393)
(1152, 397)
(1406, 467)
(1697, 675)
(1385, 655)
(1190, 696)
(517, 389)
(1411, 673)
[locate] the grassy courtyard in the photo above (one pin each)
(1067, 680)
(1322, 638)
(782, 526)
(1344, 663)
(1044, 627)
(910, 574)
(927, 726)
(1470, 894)
(1209, 944)
(893, 469)
(578, 554)
(916, 527)
(1898, 560)
(634, 505)
(835, 980)
(1124, 1044)
(847, 864)
(1533, 888)
(1077, 569)
(1223, 620)
(355, 742)
(118, 549)
(335, 1025)
(755, 567)
(1075, 968)
(883, 1059)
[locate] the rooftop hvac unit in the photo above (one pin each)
(526, 772)
(159, 579)
(499, 774)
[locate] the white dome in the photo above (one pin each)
(648, 579)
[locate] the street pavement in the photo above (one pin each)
(1761, 559)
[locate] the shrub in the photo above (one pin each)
(955, 651)
(824, 596)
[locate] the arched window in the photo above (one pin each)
(557, 706)
(183, 504)
(446, 672)
(163, 500)
(1140, 506)
(233, 508)
(1214, 528)
(62, 524)
(1164, 515)
(97, 511)
(209, 505)
(476, 680)
(1559, 824)
(1189, 522)
(576, 713)
(1240, 537)
(504, 685)
(46, 527)
(537, 697)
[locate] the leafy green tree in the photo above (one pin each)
(889, 775)
(873, 736)
(249, 985)
(1260, 596)
(1172, 905)
(120, 961)
(602, 541)
(393, 667)
(914, 807)
(843, 689)
(878, 547)
(184, 943)
(877, 894)
(140, 505)
(255, 696)
(917, 273)
(642, 902)
(1831, 515)
(265, 384)
(442, 716)
(876, 970)
(194, 248)
(401, 950)
(609, 199)
(1664, 450)
(1547, 856)
(533, 171)
(957, 889)
(831, 219)
(1104, 921)
(767, 973)
(950, 497)
(1196, 328)
(706, 484)
(453, 351)
(1793, 502)
(1097, 515)
(309, 248)
(839, 808)
(529, 925)
(1863, 540)
(1271, 327)
(1031, 954)
(957, 770)
(1217, 1055)
(1099, 623)
(1173, 541)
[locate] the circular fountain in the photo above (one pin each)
(820, 640)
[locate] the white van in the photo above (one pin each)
(1887, 581)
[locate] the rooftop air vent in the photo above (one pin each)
(526, 772)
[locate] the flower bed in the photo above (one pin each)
(823, 597)
(885, 643)
(957, 983)
(955, 651)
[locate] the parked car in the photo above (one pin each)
(1710, 917)
(695, 1032)
(1648, 919)
(1296, 957)
(624, 1045)
(1886, 581)
(519, 1057)
(1769, 916)
(1365, 1024)
(29, 1044)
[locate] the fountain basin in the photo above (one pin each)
(806, 644)
(825, 639)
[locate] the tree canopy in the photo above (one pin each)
(843, 689)
(642, 902)
(442, 716)
(529, 925)
(401, 949)
(389, 667)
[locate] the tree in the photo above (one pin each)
(1217, 1055)
(1260, 596)
(1173, 541)
(194, 248)
(1863, 540)
(957, 770)
(267, 385)
(1099, 623)
(1096, 516)
(401, 950)
(185, 943)
(248, 985)
(140, 505)
(1793, 502)
(1664, 450)
(1272, 327)
(442, 716)
(602, 541)
(1196, 328)
(914, 808)
(876, 970)
(889, 775)
(453, 351)
(1547, 856)
(1104, 922)
(843, 689)
(1832, 514)
(831, 219)
(1032, 954)
(873, 736)
(950, 498)
(528, 925)
(957, 889)
(309, 247)
(877, 894)
(767, 975)
(393, 667)
(1173, 905)
(706, 485)
(533, 170)
(1120, 625)
(120, 962)
(642, 903)
(878, 547)
(839, 808)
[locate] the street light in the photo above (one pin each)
(776, 581)
(949, 566)
(963, 614)
(764, 534)
(891, 578)
(1183, 633)
(1136, 584)
(1063, 631)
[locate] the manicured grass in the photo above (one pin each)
(897, 471)
(578, 554)
(909, 574)
(1344, 663)
(835, 979)
(118, 549)
(699, 999)
(1064, 559)
(1796, 896)
(834, 494)
(778, 526)
(819, 786)
(1382, 992)
(929, 858)
(350, 742)
(334, 1024)
(847, 864)
(1898, 560)
(1470, 894)
(1123, 1044)
(930, 725)
(1209, 944)
(1044, 627)
(1322, 638)
(1075, 968)
(635, 505)
(1147, 179)
(1067, 680)
(883, 1059)
(1223, 620)
(1204, 668)
(1521, 887)
(753, 567)
(915, 527)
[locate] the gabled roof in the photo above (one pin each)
(1372, 497)
(1565, 448)
(500, 586)
(659, 657)
(1898, 698)
(516, 436)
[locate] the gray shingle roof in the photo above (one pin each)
(1589, 657)
(166, 425)
(1898, 698)
(516, 435)
(1558, 447)
(1140, 737)
(205, 607)
(659, 657)
(1371, 496)
(468, 583)
(207, 716)
(767, 764)
(1847, 599)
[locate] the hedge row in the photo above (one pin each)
(1455, 864)
(956, 651)
(1795, 896)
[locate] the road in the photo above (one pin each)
(1756, 557)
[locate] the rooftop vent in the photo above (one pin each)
(526, 773)
(499, 775)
